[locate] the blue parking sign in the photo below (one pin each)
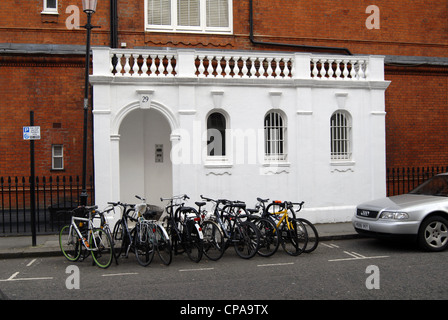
(31, 133)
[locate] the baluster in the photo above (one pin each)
(253, 70)
(278, 71)
(244, 69)
(153, 67)
(219, 68)
(269, 70)
(201, 67)
(322, 70)
(315, 72)
(111, 63)
(345, 69)
(361, 73)
(144, 65)
(338, 69)
(227, 66)
(119, 66)
(330, 69)
(210, 66)
(127, 66)
(169, 66)
(354, 71)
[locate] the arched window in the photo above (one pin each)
(275, 136)
(341, 136)
(216, 134)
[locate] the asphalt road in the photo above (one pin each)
(354, 269)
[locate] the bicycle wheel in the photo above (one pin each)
(163, 245)
(191, 241)
(246, 238)
(269, 238)
(70, 243)
(313, 236)
(102, 249)
(143, 244)
(294, 238)
(118, 238)
(213, 240)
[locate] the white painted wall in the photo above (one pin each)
(125, 141)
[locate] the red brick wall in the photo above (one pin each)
(416, 100)
(417, 116)
(411, 28)
(52, 87)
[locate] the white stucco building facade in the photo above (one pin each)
(295, 126)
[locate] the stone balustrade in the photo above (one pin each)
(151, 63)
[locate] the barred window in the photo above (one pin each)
(341, 136)
(275, 136)
(216, 134)
(208, 16)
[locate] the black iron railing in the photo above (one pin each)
(54, 196)
(403, 180)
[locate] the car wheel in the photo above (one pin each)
(433, 234)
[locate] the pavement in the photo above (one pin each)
(48, 245)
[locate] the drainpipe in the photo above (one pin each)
(251, 21)
(113, 24)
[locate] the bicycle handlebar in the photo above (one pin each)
(183, 197)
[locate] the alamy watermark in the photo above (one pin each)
(73, 281)
(373, 280)
(73, 20)
(373, 20)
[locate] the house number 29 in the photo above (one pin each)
(145, 102)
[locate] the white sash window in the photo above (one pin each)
(50, 7)
(201, 16)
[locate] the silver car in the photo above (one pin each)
(421, 214)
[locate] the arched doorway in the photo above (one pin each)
(145, 164)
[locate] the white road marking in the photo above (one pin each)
(275, 264)
(13, 278)
(32, 261)
(330, 245)
(119, 274)
(199, 269)
(357, 256)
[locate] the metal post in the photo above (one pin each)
(33, 186)
(83, 196)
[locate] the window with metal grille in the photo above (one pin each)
(57, 162)
(207, 16)
(341, 136)
(275, 136)
(216, 134)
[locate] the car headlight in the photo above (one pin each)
(394, 215)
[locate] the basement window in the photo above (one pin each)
(50, 7)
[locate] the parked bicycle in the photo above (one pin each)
(238, 231)
(182, 225)
(81, 234)
(214, 240)
(292, 231)
(142, 237)
(269, 236)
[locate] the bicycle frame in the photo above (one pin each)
(232, 220)
(85, 241)
(175, 216)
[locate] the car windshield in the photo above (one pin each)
(436, 186)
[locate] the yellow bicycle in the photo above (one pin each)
(293, 233)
